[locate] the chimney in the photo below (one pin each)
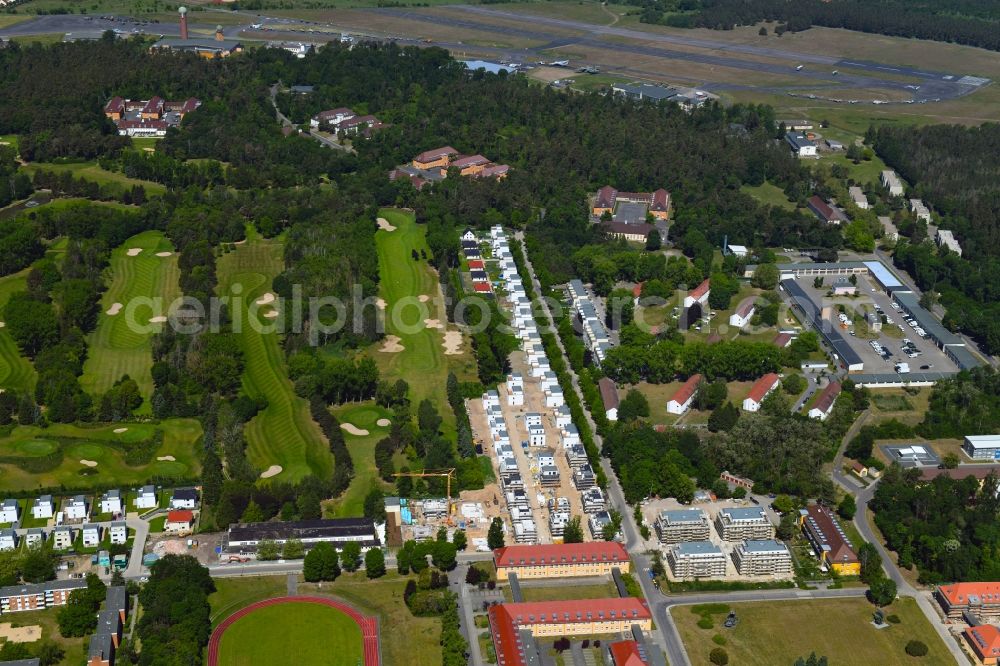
(218, 34)
(184, 22)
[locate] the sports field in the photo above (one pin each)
(16, 372)
(780, 632)
(117, 346)
(297, 631)
(422, 362)
(364, 416)
(284, 433)
(80, 457)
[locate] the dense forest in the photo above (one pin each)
(957, 171)
(971, 22)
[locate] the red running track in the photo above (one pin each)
(369, 625)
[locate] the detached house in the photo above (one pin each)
(111, 501)
(43, 507)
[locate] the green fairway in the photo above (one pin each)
(362, 449)
(422, 363)
(284, 433)
(779, 632)
(16, 372)
(303, 634)
(116, 347)
(69, 444)
(91, 171)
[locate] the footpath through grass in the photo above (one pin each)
(779, 632)
(116, 347)
(284, 433)
(287, 634)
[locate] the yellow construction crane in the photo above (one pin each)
(448, 473)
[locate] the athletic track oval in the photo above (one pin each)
(368, 625)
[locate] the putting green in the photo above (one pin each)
(36, 447)
(284, 433)
(120, 344)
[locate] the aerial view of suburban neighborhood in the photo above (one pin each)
(499, 332)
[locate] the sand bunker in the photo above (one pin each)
(423, 298)
(452, 343)
(271, 314)
(380, 303)
(157, 320)
(2, 324)
(14, 634)
(265, 299)
(352, 429)
(164, 254)
(384, 224)
(89, 463)
(119, 431)
(273, 470)
(114, 309)
(133, 251)
(392, 345)
(166, 458)
(383, 423)
(433, 323)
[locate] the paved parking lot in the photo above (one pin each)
(870, 297)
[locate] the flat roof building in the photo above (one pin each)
(696, 559)
(982, 447)
(243, 538)
(740, 523)
(891, 182)
(858, 197)
(682, 525)
(37, 596)
(843, 352)
(762, 558)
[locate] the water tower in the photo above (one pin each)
(184, 21)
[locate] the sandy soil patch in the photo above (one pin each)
(14, 634)
(119, 431)
(452, 343)
(164, 254)
(380, 303)
(383, 423)
(133, 251)
(157, 320)
(114, 309)
(433, 323)
(384, 224)
(2, 324)
(391, 344)
(273, 470)
(88, 463)
(150, 150)
(265, 299)
(166, 458)
(352, 429)
(271, 314)
(423, 298)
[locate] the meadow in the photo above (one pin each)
(117, 347)
(283, 433)
(56, 455)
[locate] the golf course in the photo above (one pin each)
(364, 416)
(415, 317)
(143, 267)
(283, 434)
(77, 457)
(16, 372)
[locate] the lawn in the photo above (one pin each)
(120, 344)
(405, 639)
(16, 372)
(231, 594)
(362, 449)
(91, 171)
(284, 433)
(779, 632)
(100, 444)
(75, 650)
(287, 633)
(422, 363)
(567, 592)
(769, 194)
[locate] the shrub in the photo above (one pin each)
(916, 648)
(893, 619)
(718, 656)
(719, 639)
(705, 622)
